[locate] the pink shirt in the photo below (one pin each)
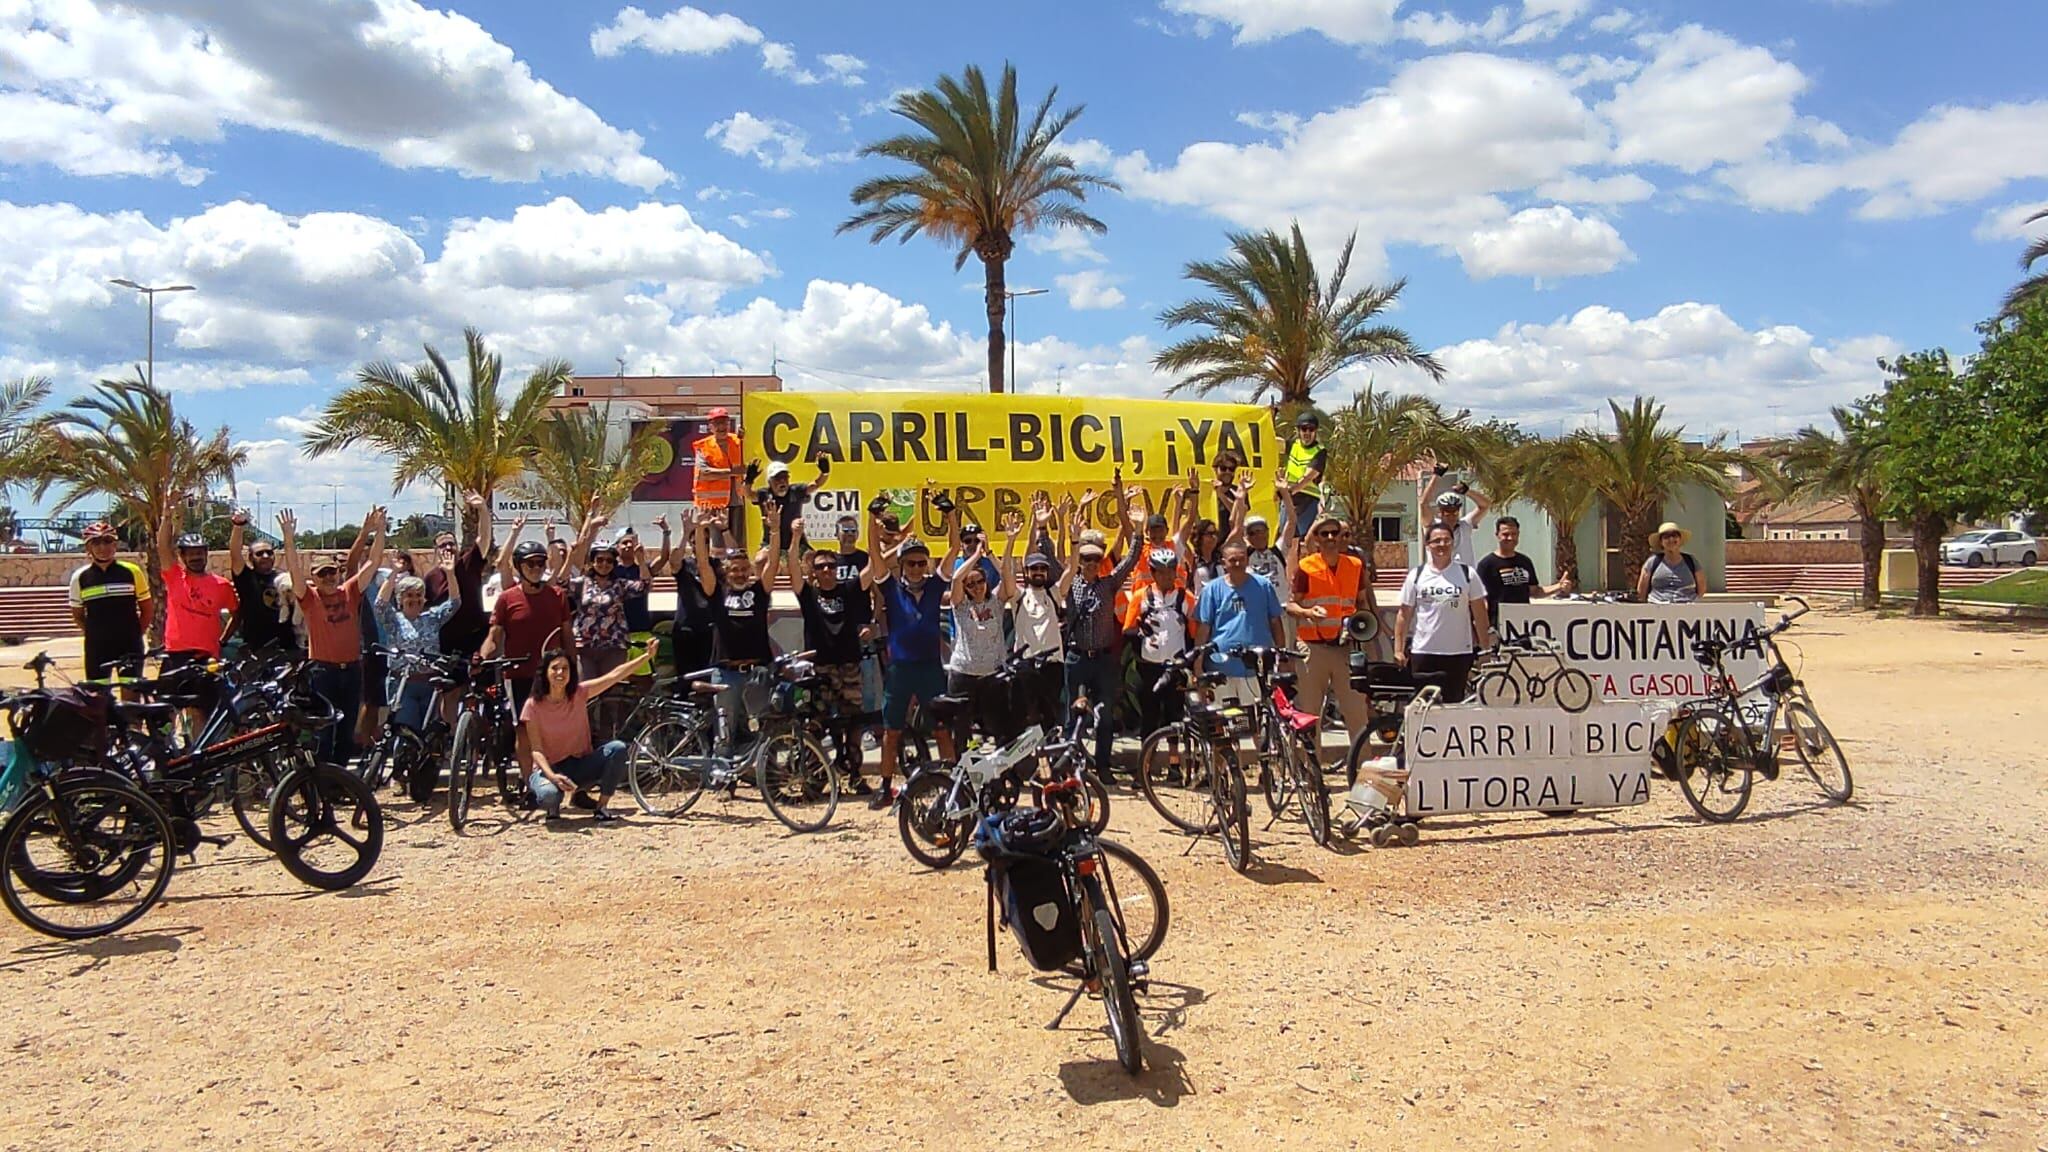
(192, 610)
(558, 728)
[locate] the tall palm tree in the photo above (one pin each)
(1274, 325)
(1377, 435)
(1843, 465)
(977, 176)
(576, 466)
(463, 434)
(1551, 474)
(18, 401)
(125, 443)
(2035, 286)
(1642, 464)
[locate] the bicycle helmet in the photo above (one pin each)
(1450, 500)
(191, 540)
(604, 548)
(527, 550)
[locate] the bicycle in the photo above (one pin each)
(413, 756)
(485, 734)
(1506, 680)
(1188, 769)
(674, 759)
(1715, 751)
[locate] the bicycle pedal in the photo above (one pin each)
(1140, 970)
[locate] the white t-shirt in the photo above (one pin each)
(1164, 631)
(1442, 599)
(1268, 562)
(977, 637)
(1038, 621)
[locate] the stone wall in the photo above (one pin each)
(53, 569)
(1794, 552)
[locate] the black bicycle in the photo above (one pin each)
(1189, 770)
(413, 756)
(484, 739)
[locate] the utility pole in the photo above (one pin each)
(1011, 298)
(150, 293)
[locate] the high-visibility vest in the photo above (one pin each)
(1336, 591)
(715, 452)
(1299, 459)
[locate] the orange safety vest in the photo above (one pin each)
(1336, 591)
(715, 452)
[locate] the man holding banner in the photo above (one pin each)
(717, 474)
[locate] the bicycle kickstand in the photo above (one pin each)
(1060, 1017)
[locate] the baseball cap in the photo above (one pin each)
(913, 544)
(1255, 522)
(1088, 551)
(718, 414)
(1155, 520)
(1038, 560)
(1093, 536)
(777, 469)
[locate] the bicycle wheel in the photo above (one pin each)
(1713, 765)
(255, 783)
(1309, 790)
(1233, 814)
(1820, 752)
(1171, 774)
(932, 838)
(465, 756)
(797, 781)
(664, 766)
(1498, 690)
(376, 766)
(501, 749)
(328, 826)
(1113, 976)
(1572, 689)
(422, 764)
(87, 862)
(1096, 816)
(1276, 764)
(1138, 898)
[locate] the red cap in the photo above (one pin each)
(100, 530)
(719, 414)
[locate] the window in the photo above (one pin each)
(1387, 529)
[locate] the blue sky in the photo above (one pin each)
(1736, 207)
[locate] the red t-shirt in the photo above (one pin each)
(533, 620)
(558, 728)
(192, 608)
(333, 635)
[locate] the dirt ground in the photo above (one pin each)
(1857, 977)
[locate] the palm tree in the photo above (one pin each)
(18, 399)
(1272, 324)
(977, 176)
(1379, 434)
(463, 434)
(1551, 474)
(574, 467)
(1843, 465)
(124, 442)
(1642, 464)
(2034, 287)
(1492, 459)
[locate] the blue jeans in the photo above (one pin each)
(731, 703)
(1101, 677)
(413, 704)
(342, 686)
(605, 768)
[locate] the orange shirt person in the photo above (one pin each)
(717, 464)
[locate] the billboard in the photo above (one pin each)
(674, 470)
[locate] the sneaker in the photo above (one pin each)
(882, 798)
(604, 815)
(860, 786)
(584, 800)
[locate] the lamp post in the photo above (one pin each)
(150, 293)
(1011, 299)
(334, 514)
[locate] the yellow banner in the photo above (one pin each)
(994, 453)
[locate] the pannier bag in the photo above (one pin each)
(1026, 889)
(68, 725)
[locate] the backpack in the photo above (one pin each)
(1026, 889)
(1464, 570)
(1692, 566)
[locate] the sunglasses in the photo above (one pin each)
(1674, 536)
(263, 555)
(533, 562)
(1328, 533)
(828, 567)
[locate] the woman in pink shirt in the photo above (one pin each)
(557, 720)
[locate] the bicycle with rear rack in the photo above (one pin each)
(675, 758)
(941, 804)
(1291, 737)
(1188, 769)
(1714, 748)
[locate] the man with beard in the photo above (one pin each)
(258, 595)
(109, 602)
(834, 612)
(195, 600)
(913, 600)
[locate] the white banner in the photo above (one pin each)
(507, 507)
(823, 510)
(1640, 651)
(1467, 758)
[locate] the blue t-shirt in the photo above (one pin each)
(1240, 617)
(913, 620)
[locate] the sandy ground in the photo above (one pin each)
(1857, 978)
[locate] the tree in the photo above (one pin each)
(2011, 373)
(1642, 464)
(977, 176)
(18, 401)
(1492, 459)
(1842, 465)
(467, 435)
(575, 468)
(1272, 324)
(125, 442)
(2033, 289)
(1552, 474)
(1378, 435)
(1932, 464)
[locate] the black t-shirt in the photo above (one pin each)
(740, 618)
(1508, 581)
(693, 608)
(257, 594)
(465, 628)
(638, 619)
(833, 620)
(793, 502)
(851, 565)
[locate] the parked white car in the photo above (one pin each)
(1992, 546)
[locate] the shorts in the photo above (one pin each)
(906, 681)
(100, 659)
(842, 688)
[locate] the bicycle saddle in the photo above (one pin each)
(1286, 679)
(950, 707)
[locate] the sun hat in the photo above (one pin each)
(1657, 537)
(1094, 536)
(1325, 518)
(323, 565)
(1089, 550)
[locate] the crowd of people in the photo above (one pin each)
(1021, 622)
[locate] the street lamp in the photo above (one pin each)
(335, 514)
(151, 294)
(1011, 298)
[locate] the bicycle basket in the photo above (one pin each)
(70, 724)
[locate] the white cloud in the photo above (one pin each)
(1545, 243)
(1092, 289)
(773, 143)
(686, 31)
(844, 68)
(1345, 21)
(1611, 23)
(2011, 222)
(1625, 188)
(418, 88)
(1951, 155)
(1067, 245)
(1703, 99)
(558, 245)
(780, 59)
